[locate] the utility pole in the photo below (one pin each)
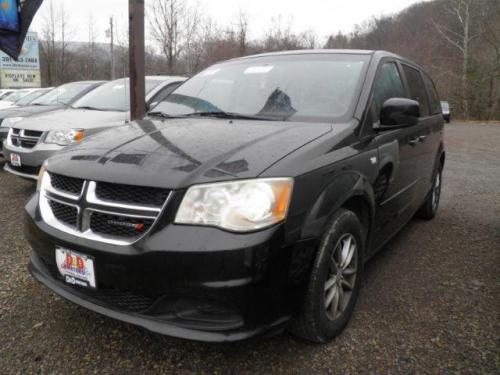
(136, 59)
(112, 47)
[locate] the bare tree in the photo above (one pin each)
(173, 24)
(460, 37)
(242, 32)
(48, 44)
(64, 30)
(337, 41)
(91, 67)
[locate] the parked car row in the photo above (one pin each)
(67, 114)
(247, 200)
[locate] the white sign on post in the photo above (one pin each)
(26, 71)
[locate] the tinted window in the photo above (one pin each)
(417, 89)
(64, 94)
(288, 88)
(387, 85)
(113, 96)
(434, 104)
(163, 93)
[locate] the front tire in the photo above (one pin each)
(334, 282)
(429, 208)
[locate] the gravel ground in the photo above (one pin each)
(430, 303)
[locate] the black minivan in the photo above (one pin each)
(248, 200)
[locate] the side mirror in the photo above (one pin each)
(399, 113)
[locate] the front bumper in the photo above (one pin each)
(196, 283)
(31, 158)
(3, 136)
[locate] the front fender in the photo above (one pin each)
(345, 186)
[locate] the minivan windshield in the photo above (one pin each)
(63, 94)
(112, 96)
(302, 87)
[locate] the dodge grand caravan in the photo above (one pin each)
(248, 200)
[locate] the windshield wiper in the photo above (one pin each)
(90, 108)
(228, 115)
(159, 114)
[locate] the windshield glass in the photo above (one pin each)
(308, 87)
(25, 100)
(112, 96)
(14, 96)
(5, 94)
(64, 94)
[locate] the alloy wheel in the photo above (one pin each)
(436, 191)
(339, 286)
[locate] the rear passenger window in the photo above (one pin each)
(434, 103)
(417, 89)
(387, 85)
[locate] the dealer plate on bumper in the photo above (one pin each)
(15, 160)
(75, 268)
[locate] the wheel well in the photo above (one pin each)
(382, 182)
(359, 205)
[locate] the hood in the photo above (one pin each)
(180, 152)
(27, 111)
(73, 118)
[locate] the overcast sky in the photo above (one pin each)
(322, 16)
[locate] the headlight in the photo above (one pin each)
(41, 175)
(64, 137)
(8, 122)
(240, 206)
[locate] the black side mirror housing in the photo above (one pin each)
(399, 113)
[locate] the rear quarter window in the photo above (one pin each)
(417, 89)
(434, 103)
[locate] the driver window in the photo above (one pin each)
(387, 85)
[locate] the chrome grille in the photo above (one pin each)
(119, 225)
(131, 194)
(73, 205)
(67, 184)
(64, 213)
(24, 138)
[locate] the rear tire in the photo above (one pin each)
(334, 282)
(429, 208)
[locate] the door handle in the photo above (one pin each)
(422, 138)
(413, 141)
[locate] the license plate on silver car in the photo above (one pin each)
(15, 160)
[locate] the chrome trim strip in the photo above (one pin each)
(84, 218)
(51, 220)
(20, 174)
(92, 198)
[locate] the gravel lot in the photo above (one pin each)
(430, 303)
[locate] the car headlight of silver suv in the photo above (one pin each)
(239, 206)
(64, 137)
